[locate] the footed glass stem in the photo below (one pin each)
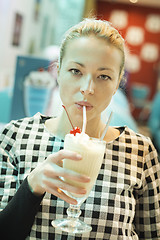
(72, 224)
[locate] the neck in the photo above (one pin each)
(95, 128)
(61, 126)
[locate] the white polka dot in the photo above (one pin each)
(133, 63)
(119, 18)
(149, 52)
(153, 23)
(135, 35)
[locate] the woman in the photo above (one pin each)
(124, 202)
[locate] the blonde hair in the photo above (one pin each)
(101, 29)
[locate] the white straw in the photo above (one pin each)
(84, 119)
(106, 127)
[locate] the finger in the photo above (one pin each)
(60, 194)
(62, 154)
(54, 183)
(55, 170)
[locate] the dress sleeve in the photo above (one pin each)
(17, 217)
(147, 217)
(18, 205)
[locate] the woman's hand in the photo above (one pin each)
(46, 176)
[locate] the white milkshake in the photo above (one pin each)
(92, 152)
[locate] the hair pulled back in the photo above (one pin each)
(99, 28)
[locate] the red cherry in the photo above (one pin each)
(71, 131)
(78, 130)
(41, 69)
(75, 130)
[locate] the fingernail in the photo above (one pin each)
(83, 191)
(79, 156)
(74, 202)
(87, 178)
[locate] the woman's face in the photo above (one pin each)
(89, 75)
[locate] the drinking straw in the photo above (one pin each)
(106, 127)
(84, 119)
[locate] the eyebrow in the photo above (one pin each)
(81, 64)
(105, 68)
(99, 69)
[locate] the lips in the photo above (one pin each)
(83, 103)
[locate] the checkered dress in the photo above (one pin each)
(123, 204)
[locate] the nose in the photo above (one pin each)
(87, 86)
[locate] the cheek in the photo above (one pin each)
(66, 92)
(107, 90)
(105, 96)
(63, 90)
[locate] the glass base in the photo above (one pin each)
(71, 226)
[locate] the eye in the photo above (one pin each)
(104, 77)
(75, 71)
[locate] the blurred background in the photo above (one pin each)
(30, 35)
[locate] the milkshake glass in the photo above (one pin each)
(92, 151)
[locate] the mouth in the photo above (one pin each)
(80, 105)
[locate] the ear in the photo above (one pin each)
(115, 91)
(117, 86)
(58, 70)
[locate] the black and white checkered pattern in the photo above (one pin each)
(125, 201)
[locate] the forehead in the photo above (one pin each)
(91, 49)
